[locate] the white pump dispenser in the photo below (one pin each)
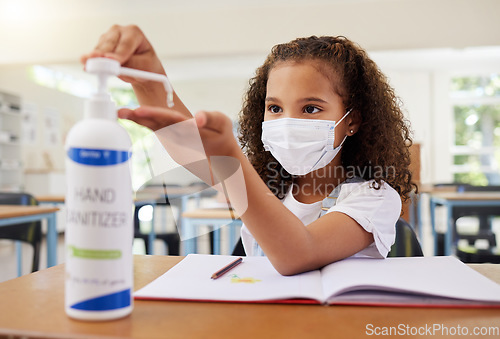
(104, 67)
(99, 204)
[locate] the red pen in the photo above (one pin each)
(227, 268)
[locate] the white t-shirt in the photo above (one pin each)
(376, 210)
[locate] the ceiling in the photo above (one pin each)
(210, 39)
(59, 31)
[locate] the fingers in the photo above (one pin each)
(120, 43)
(109, 40)
(106, 44)
(93, 54)
(213, 121)
(159, 117)
(131, 41)
(151, 117)
(216, 131)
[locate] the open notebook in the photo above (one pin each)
(415, 281)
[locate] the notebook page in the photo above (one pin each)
(255, 279)
(437, 276)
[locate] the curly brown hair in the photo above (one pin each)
(380, 148)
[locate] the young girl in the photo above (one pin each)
(326, 147)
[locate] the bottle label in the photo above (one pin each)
(97, 157)
(99, 230)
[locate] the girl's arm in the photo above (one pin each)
(131, 48)
(291, 247)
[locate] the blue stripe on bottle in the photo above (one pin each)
(98, 157)
(106, 302)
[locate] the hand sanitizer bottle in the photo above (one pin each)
(99, 203)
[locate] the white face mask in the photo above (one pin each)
(301, 145)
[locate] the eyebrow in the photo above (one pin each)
(272, 99)
(301, 100)
(313, 99)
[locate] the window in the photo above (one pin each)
(125, 97)
(476, 148)
(61, 81)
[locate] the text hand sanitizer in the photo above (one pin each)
(99, 202)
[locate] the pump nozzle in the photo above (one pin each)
(105, 67)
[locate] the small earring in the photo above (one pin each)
(351, 131)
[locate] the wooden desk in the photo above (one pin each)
(455, 199)
(33, 306)
(50, 199)
(17, 214)
(214, 217)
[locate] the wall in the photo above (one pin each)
(41, 154)
(56, 31)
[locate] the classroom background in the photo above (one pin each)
(442, 57)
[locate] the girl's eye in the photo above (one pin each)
(274, 109)
(311, 109)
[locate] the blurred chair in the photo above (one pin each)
(171, 239)
(484, 214)
(406, 243)
(472, 253)
(197, 190)
(239, 250)
(30, 232)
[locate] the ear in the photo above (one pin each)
(353, 122)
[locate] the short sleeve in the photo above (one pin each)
(376, 210)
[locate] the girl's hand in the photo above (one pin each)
(216, 130)
(154, 118)
(129, 46)
(192, 142)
